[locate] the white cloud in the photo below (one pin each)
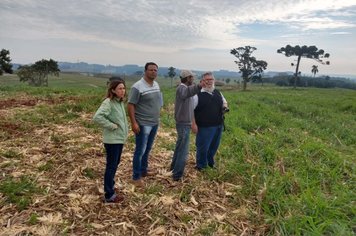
(344, 33)
(164, 27)
(161, 23)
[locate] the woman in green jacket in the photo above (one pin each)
(111, 116)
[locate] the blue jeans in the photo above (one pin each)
(181, 151)
(144, 142)
(207, 143)
(113, 155)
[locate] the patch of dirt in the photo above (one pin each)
(29, 102)
(16, 103)
(68, 162)
(9, 127)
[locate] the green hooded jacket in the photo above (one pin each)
(111, 116)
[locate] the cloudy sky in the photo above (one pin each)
(194, 34)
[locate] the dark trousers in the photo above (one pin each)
(113, 155)
(207, 143)
(181, 151)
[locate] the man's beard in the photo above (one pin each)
(209, 89)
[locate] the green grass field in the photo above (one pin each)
(77, 80)
(286, 165)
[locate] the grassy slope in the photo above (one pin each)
(294, 151)
(286, 165)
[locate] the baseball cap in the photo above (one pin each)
(186, 73)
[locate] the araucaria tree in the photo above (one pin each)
(5, 62)
(248, 65)
(171, 74)
(310, 52)
(37, 74)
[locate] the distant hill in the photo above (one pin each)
(84, 67)
(129, 69)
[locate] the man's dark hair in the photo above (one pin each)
(150, 64)
(185, 79)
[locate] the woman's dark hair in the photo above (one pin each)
(150, 64)
(114, 82)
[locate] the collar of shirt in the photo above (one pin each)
(203, 90)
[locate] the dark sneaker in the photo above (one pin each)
(148, 173)
(175, 182)
(176, 179)
(138, 183)
(117, 199)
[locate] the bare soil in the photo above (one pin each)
(67, 162)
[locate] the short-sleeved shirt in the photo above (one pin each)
(148, 101)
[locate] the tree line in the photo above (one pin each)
(308, 81)
(249, 66)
